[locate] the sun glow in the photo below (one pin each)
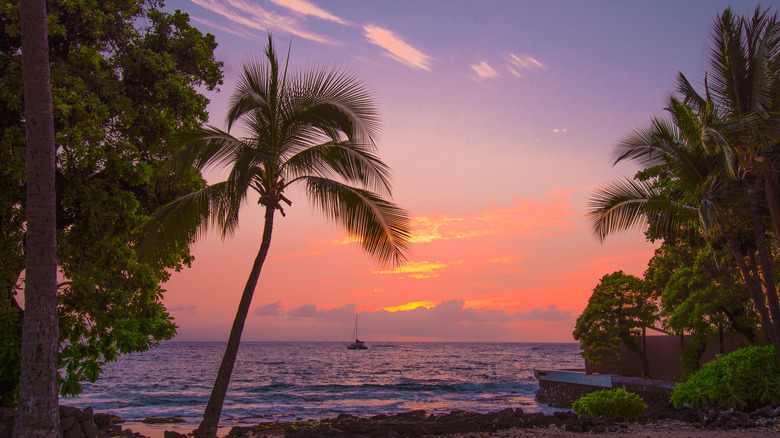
(411, 306)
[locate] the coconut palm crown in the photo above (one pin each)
(314, 128)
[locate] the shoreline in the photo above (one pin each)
(508, 423)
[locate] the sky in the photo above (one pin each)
(499, 121)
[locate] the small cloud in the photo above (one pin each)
(183, 309)
(422, 269)
(398, 48)
(484, 70)
(552, 313)
(523, 62)
(560, 131)
(269, 309)
(306, 8)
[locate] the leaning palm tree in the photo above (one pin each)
(315, 128)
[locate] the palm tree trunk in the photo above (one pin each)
(38, 411)
(754, 289)
(208, 427)
(767, 272)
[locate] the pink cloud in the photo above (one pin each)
(253, 16)
(398, 48)
(306, 8)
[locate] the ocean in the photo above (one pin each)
(288, 381)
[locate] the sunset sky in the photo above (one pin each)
(499, 119)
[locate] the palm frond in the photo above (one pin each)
(383, 228)
(355, 165)
(180, 222)
(628, 204)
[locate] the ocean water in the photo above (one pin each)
(274, 381)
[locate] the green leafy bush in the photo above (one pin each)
(746, 379)
(617, 404)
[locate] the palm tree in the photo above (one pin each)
(744, 88)
(38, 403)
(738, 127)
(314, 128)
(685, 186)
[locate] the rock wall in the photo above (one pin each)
(563, 394)
(74, 423)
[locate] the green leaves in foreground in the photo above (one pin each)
(745, 380)
(617, 404)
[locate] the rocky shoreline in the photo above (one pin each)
(78, 423)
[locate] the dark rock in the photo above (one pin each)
(88, 426)
(66, 423)
(85, 415)
(766, 411)
(103, 420)
(74, 431)
(68, 411)
(172, 434)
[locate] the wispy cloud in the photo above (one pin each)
(560, 130)
(306, 8)
(253, 16)
(183, 309)
(398, 48)
(484, 70)
(233, 31)
(518, 63)
(423, 269)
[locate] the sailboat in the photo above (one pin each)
(358, 344)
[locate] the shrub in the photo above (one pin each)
(617, 404)
(746, 379)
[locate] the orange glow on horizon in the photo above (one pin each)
(411, 306)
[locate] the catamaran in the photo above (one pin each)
(358, 344)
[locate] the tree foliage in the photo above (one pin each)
(712, 163)
(125, 78)
(701, 293)
(617, 311)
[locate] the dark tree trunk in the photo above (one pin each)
(765, 262)
(754, 289)
(208, 427)
(38, 413)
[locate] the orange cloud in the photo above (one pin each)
(411, 306)
(526, 217)
(398, 48)
(306, 8)
(423, 269)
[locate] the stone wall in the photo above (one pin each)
(559, 389)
